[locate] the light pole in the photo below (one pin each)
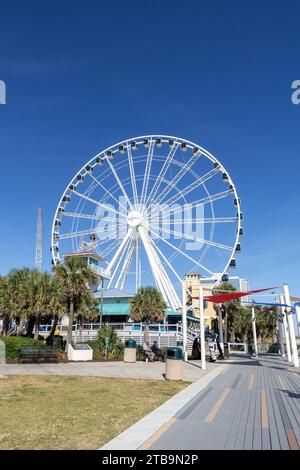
(221, 339)
(280, 330)
(184, 324)
(254, 331)
(298, 318)
(202, 333)
(101, 302)
(291, 326)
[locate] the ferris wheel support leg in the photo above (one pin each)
(291, 326)
(286, 330)
(154, 268)
(126, 264)
(202, 333)
(118, 261)
(119, 250)
(254, 331)
(184, 325)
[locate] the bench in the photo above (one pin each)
(36, 353)
(141, 355)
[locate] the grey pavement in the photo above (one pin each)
(138, 370)
(252, 405)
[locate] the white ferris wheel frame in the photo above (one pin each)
(129, 247)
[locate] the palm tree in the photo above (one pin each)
(5, 300)
(12, 303)
(230, 308)
(75, 277)
(147, 306)
(36, 296)
(57, 302)
(87, 310)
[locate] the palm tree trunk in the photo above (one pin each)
(226, 327)
(70, 325)
(146, 333)
(21, 326)
(80, 330)
(36, 327)
(5, 325)
(55, 321)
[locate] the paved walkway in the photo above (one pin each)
(139, 370)
(250, 405)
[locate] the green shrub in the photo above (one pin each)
(115, 348)
(13, 345)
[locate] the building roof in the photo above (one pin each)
(112, 294)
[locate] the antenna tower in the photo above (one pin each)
(38, 245)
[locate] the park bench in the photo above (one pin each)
(38, 353)
(141, 355)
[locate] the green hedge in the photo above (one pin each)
(13, 345)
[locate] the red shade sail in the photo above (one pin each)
(220, 298)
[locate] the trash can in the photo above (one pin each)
(226, 351)
(174, 364)
(130, 351)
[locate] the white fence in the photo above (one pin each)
(166, 335)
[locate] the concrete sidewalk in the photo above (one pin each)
(138, 370)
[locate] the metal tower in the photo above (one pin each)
(38, 245)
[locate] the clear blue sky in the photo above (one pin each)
(83, 75)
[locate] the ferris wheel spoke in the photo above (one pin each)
(111, 247)
(166, 260)
(119, 183)
(82, 233)
(108, 192)
(178, 177)
(147, 171)
(132, 175)
(162, 173)
(188, 189)
(182, 252)
(205, 200)
(206, 220)
(93, 201)
(200, 240)
(86, 216)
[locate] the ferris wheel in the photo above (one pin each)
(151, 209)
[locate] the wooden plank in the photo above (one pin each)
(211, 415)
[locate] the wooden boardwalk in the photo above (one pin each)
(251, 405)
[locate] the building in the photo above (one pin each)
(115, 306)
(192, 281)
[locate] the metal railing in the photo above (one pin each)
(241, 348)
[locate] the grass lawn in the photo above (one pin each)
(38, 412)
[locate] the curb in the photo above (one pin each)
(133, 437)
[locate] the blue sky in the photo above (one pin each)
(81, 76)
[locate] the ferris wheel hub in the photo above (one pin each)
(136, 219)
